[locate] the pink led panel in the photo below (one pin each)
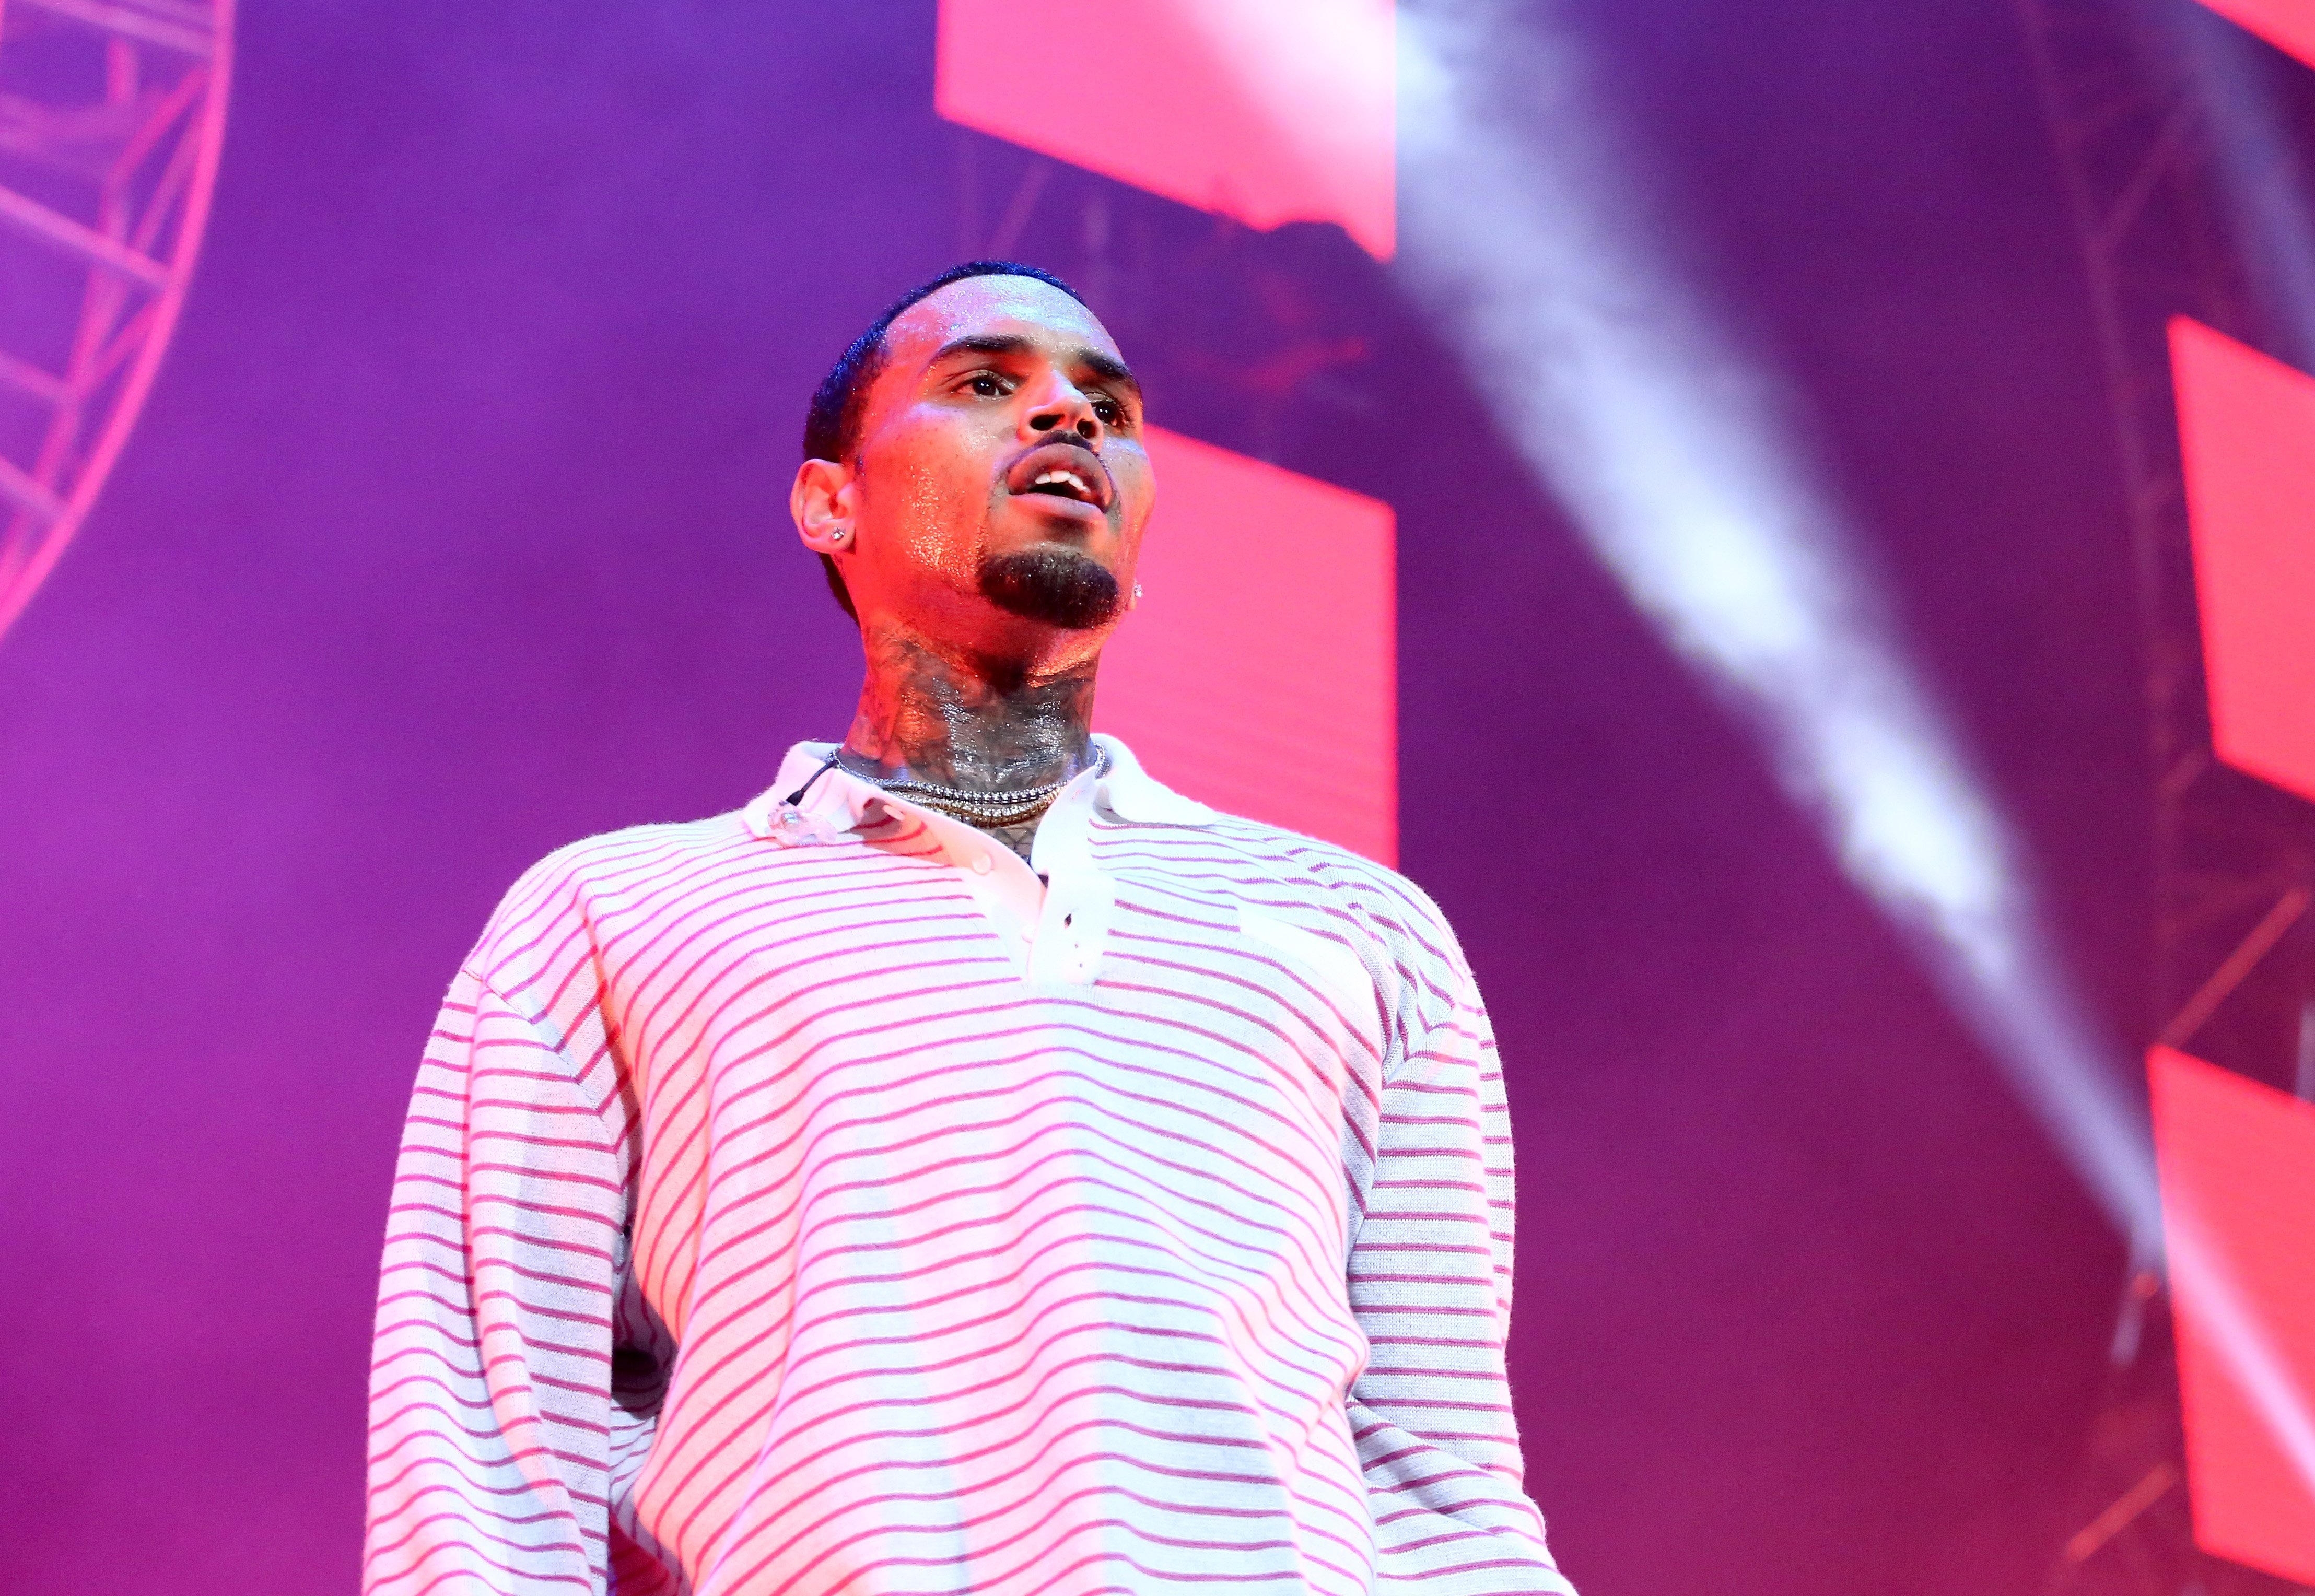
(1278, 111)
(2247, 427)
(2240, 1157)
(1260, 673)
(2286, 24)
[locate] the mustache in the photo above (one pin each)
(1048, 441)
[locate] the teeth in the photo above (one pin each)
(1064, 478)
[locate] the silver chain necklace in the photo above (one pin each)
(1015, 807)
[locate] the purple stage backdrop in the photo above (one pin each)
(455, 529)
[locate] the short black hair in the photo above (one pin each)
(831, 426)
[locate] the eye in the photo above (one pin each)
(1111, 412)
(988, 385)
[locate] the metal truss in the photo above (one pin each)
(2234, 861)
(2133, 1534)
(111, 119)
(1257, 325)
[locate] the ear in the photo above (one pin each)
(823, 502)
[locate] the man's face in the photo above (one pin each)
(1000, 477)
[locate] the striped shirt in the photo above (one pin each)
(824, 1200)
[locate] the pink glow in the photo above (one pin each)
(2240, 1158)
(1260, 672)
(1274, 113)
(2286, 24)
(2246, 424)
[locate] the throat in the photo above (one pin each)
(930, 716)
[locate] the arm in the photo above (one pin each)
(489, 1386)
(1430, 1284)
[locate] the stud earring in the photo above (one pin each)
(840, 535)
(1137, 592)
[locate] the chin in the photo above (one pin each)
(1057, 583)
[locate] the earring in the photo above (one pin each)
(840, 535)
(1137, 592)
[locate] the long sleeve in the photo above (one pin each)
(1430, 1284)
(491, 1412)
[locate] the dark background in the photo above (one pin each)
(455, 529)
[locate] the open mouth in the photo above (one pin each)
(1062, 471)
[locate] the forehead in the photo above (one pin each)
(993, 307)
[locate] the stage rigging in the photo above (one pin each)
(112, 120)
(2161, 225)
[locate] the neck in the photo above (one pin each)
(933, 714)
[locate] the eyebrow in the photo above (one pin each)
(1108, 368)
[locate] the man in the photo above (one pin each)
(971, 1166)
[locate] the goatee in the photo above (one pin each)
(1062, 587)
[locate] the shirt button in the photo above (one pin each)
(980, 864)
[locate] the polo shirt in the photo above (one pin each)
(819, 1199)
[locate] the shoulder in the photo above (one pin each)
(1326, 866)
(1254, 857)
(1275, 867)
(552, 906)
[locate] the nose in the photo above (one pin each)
(1064, 409)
